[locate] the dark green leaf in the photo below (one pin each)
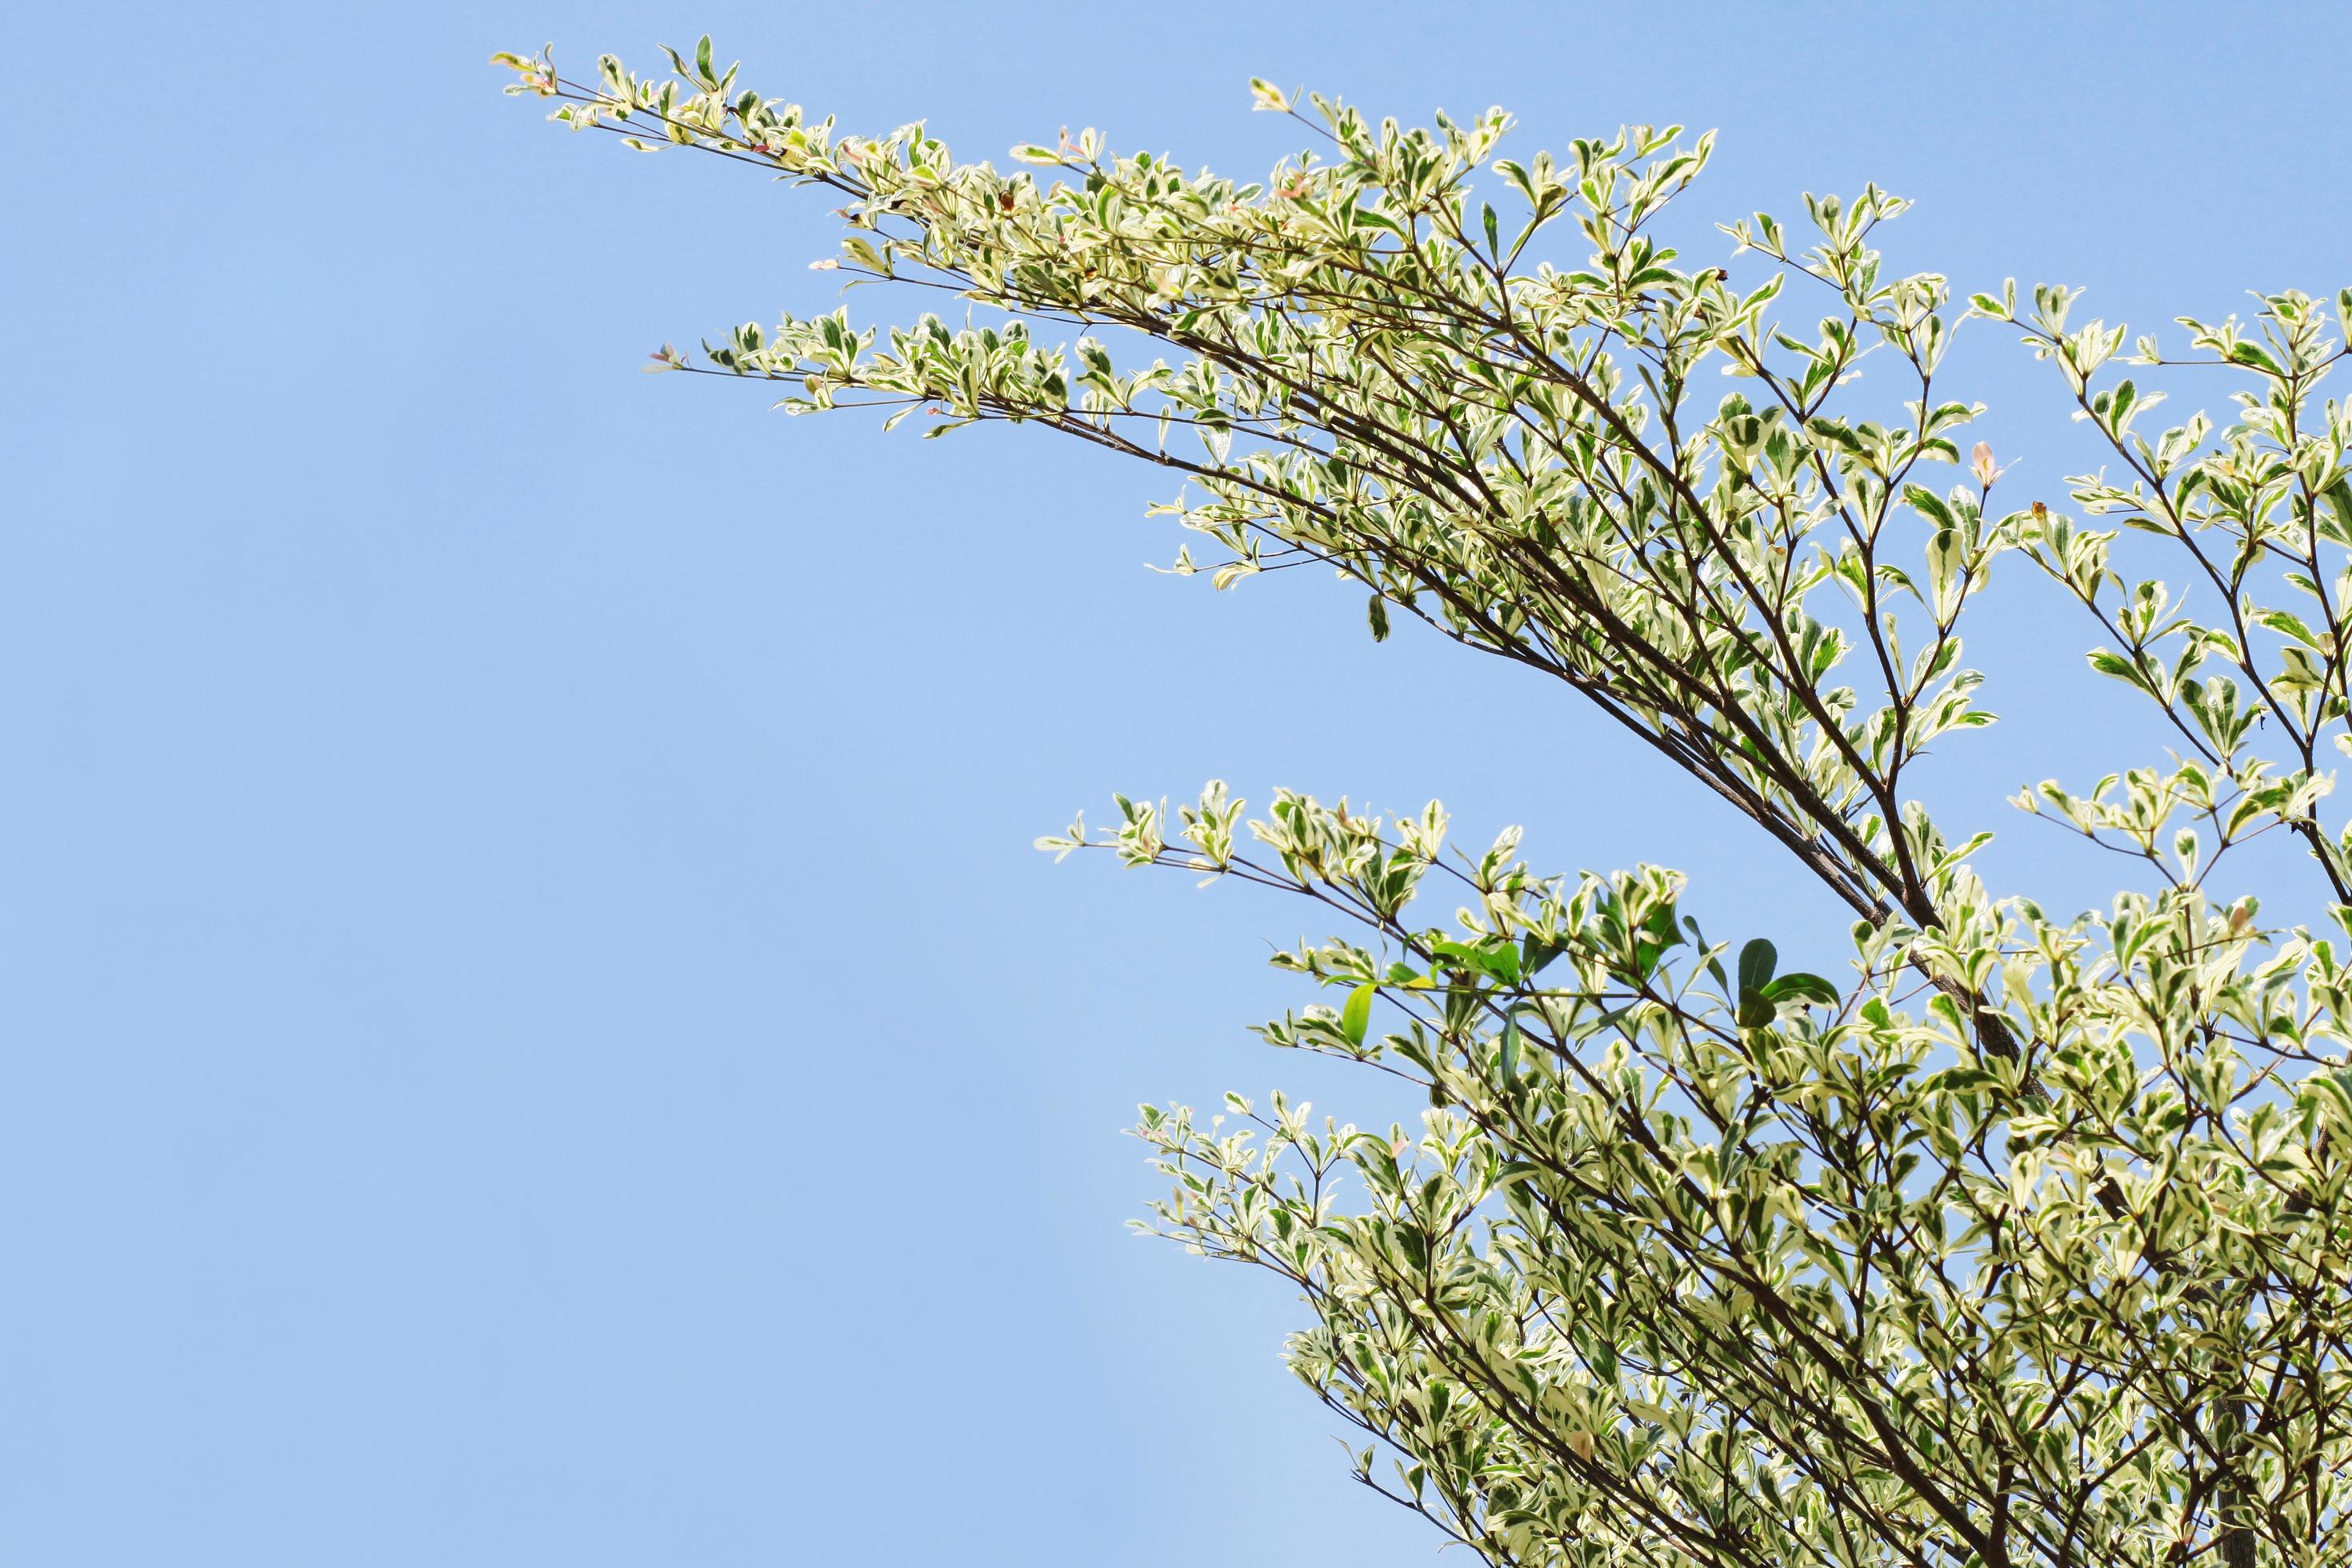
(1798, 984)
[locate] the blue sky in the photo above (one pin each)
(529, 1027)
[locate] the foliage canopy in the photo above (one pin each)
(2027, 1241)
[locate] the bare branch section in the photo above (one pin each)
(2020, 1244)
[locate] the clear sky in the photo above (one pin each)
(530, 1031)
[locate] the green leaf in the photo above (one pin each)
(1756, 1009)
(1756, 962)
(2121, 668)
(1947, 571)
(1501, 962)
(2255, 356)
(1376, 612)
(1356, 1017)
(1797, 985)
(2339, 497)
(1930, 505)
(2288, 624)
(2329, 1095)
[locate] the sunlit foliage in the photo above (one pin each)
(2023, 1240)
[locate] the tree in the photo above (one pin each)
(2028, 1241)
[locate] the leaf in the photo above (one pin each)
(1534, 954)
(1356, 1017)
(1798, 985)
(1376, 612)
(2256, 357)
(1501, 962)
(2288, 624)
(2339, 497)
(1756, 962)
(1756, 1009)
(1947, 571)
(2121, 668)
(2329, 1095)
(1930, 505)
